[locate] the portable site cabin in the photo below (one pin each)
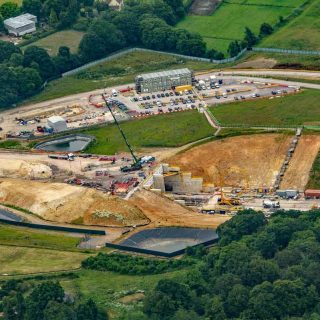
(57, 123)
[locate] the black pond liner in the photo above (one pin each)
(166, 242)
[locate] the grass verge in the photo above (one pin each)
(314, 179)
(22, 260)
(168, 130)
(297, 109)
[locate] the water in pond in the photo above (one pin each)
(70, 146)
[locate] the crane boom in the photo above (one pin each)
(135, 159)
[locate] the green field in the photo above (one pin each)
(51, 43)
(25, 237)
(297, 109)
(106, 288)
(22, 260)
(228, 22)
(302, 33)
(168, 130)
(117, 71)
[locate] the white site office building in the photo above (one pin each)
(21, 25)
(57, 123)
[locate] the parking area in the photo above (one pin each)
(89, 109)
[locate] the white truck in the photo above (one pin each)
(114, 93)
(270, 204)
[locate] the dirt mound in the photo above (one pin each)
(24, 169)
(249, 161)
(297, 175)
(64, 203)
(203, 7)
(164, 212)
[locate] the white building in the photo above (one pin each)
(20, 25)
(57, 123)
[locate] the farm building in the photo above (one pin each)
(21, 25)
(165, 80)
(57, 123)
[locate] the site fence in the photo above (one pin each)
(131, 50)
(275, 50)
(54, 228)
(155, 252)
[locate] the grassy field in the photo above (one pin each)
(22, 260)
(302, 33)
(168, 130)
(115, 72)
(51, 43)
(107, 288)
(10, 235)
(314, 179)
(228, 22)
(18, 2)
(302, 108)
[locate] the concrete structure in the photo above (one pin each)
(20, 25)
(171, 179)
(57, 123)
(115, 4)
(164, 80)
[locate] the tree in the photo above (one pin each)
(7, 49)
(53, 18)
(244, 223)
(237, 301)
(215, 55)
(250, 37)
(61, 311)
(28, 81)
(183, 314)
(32, 6)
(265, 29)
(14, 306)
(16, 60)
(234, 48)
(39, 298)
(215, 310)
(41, 57)
(87, 311)
(102, 39)
(9, 9)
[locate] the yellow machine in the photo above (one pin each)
(182, 88)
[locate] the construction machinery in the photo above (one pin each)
(137, 165)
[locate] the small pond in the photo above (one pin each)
(71, 143)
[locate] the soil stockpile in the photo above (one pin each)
(65, 203)
(15, 168)
(249, 161)
(164, 212)
(297, 174)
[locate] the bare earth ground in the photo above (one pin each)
(260, 63)
(65, 203)
(297, 175)
(250, 161)
(163, 212)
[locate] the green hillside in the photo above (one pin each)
(302, 33)
(228, 22)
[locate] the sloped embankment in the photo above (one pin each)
(65, 203)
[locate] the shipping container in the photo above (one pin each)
(312, 194)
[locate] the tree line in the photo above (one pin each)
(20, 300)
(260, 270)
(22, 73)
(126, 264)
(147, 24)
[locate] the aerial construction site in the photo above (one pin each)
(54, 179)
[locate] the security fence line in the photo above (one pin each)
(224, 61)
